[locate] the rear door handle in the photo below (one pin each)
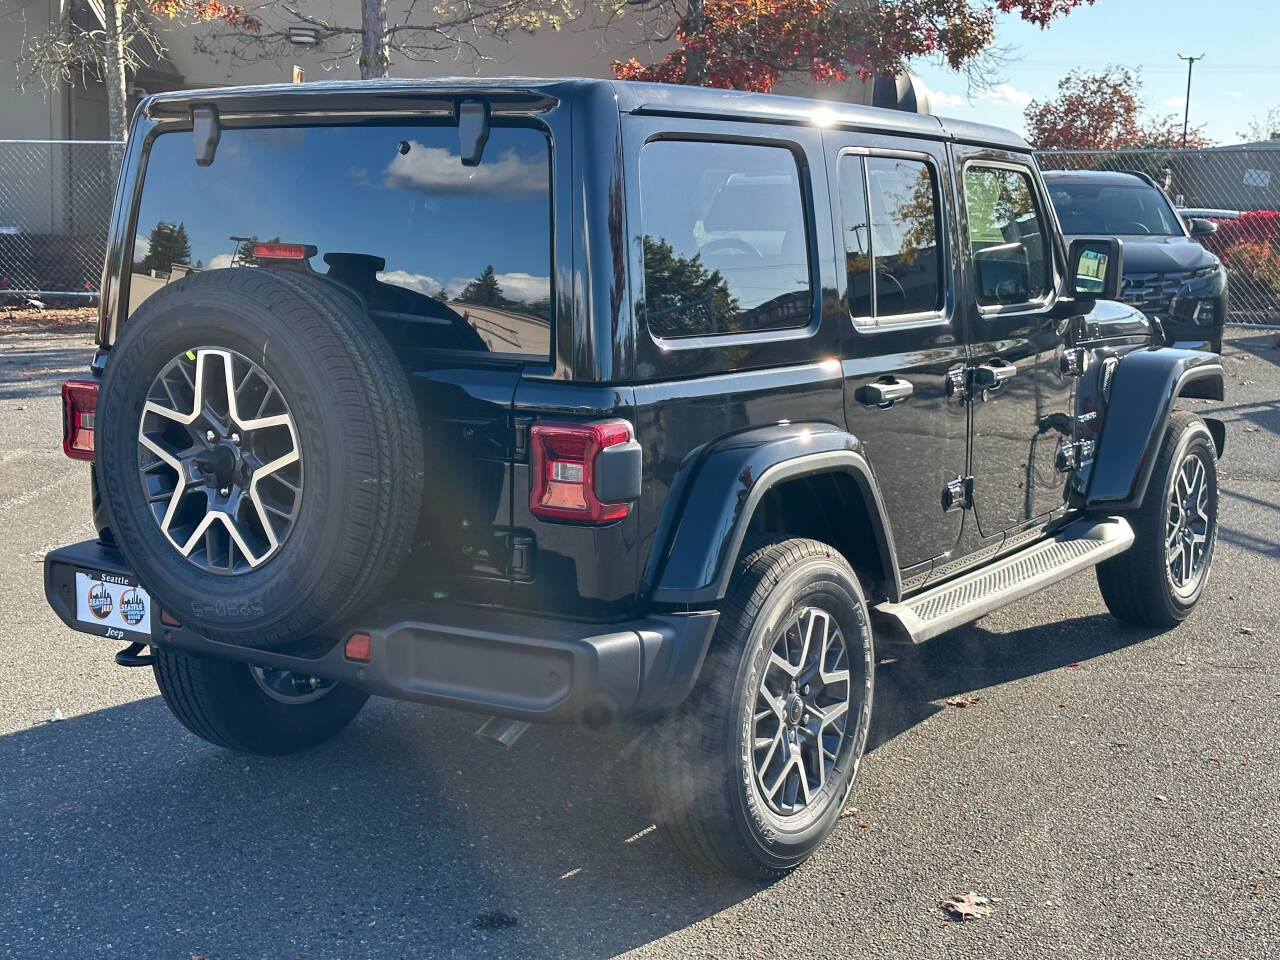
(885, 392)
(994, 373)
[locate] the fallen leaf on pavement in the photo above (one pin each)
(962, 702)
(967, 906)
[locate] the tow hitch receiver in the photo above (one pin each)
(132, 656)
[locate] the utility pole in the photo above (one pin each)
(1186, 114)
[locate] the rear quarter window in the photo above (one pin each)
(447, 256)
(724, 243)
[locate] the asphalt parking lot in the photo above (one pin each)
(1116, 792)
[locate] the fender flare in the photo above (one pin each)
(716, 493)
(1145, 384)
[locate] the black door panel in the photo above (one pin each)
(893, 207)
(1021, 396)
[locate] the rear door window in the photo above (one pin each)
(725, 248)
(447, 256)
(891, 228)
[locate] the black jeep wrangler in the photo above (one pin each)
(576, 400)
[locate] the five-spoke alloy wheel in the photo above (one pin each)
(751, 772)
(1187, 530)
(802, 711)
(1158, 580)
(219, 460)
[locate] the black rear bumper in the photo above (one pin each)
(486, 661)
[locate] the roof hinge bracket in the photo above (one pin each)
(206, 131)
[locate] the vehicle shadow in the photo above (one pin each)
(914, 682)
(406, 836)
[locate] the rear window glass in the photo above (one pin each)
(723, 239)
(447, 256)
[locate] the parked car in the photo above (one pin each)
(1168, 275)
(580, 401)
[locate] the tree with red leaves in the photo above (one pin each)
(752, 44)
(108, 41)
(1102, 111)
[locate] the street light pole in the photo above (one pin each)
(1186, 114)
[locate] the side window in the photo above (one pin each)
(856, 228)
(723, 239)
(1006, 236)
(889, 209)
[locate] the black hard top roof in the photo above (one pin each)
(537, 93)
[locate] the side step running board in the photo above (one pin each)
(955, 602)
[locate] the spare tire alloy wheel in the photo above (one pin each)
(220, 460)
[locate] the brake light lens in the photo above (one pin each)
(79, 404)
(279, 251)
(564, 459)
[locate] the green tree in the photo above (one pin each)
(683, 298)
(167, 244)
(484, 290)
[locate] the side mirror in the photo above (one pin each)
(1095, 267)
(1200, 227)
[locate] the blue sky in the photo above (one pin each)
(1238, 79)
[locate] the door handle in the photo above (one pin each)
(885, 392)
(994, 373)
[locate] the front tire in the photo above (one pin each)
(1157, 581)
(225, 703)
(750, 774)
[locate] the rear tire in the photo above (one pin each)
(221, 702)
(708, 765)
(1153, 583)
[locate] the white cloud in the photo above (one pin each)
(141, 246)
(1006, 93)
(938, 98)
(524, 287)
(429, 286)
(437, 170)
(516, 286)
(1173, 101)
(220, 262)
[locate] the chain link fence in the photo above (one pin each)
(1237, 188)
(56, 197)
(55, 207)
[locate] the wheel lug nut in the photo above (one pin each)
(806, 689)
(235, 438)
(210, 436)
(224, 491)
(806, 718)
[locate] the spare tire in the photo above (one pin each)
(259, 454)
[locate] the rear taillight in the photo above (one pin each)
(565, 471)
(79, 403)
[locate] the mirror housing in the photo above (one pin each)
(1095, 267)
(1200, 227)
